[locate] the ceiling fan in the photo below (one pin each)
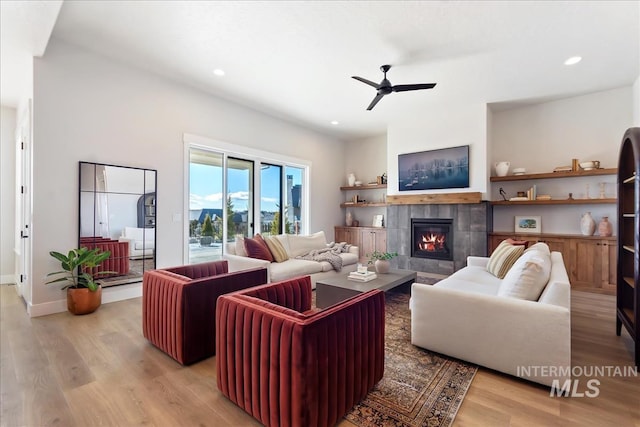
(385, 87)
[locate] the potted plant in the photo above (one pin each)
(381, 260)
(84, 295)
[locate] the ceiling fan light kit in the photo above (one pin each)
(385, 87)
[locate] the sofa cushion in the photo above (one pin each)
(528, 276)
(293, 268)
(540, 246)
(503, 257)
(472, 279)
(257, 248)
(300, 245)
(276, 248)
(239, 246)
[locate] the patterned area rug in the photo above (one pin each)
(419, 388)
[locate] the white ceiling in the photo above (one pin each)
(294, 59)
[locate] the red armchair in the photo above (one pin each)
(179, 306)
(288, 365)
(118, 261)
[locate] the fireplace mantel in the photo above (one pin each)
(434, 199)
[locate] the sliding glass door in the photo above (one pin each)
(205, 205)
(270, 199)
(240, 216)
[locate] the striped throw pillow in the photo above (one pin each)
(276, 248)
(503, 257)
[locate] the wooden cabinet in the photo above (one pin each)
(590, 260)
(628, 269)
(368, 239)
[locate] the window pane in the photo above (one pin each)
(293, 203)
(239, 198)
(205, 206)
(271, 199)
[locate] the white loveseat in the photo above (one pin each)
(463, 316)
(142, 241)
(294, 246)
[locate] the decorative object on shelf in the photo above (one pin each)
(519, 171)
(381, 260)
(503, 194)
(570, 196)
(384, 178)
(563, 169)
(378, 220)
(351, 179)
(604, 227)
(79, 267)
(348, 220)
(434, 169)
(528, 224)
(502, 168)
(575, 165)
(602, 187)
(355, 223)
(587, 224)
(358, 183)
(588, 166)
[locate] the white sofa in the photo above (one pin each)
(142, 241)
(463, 316)
(294, 245)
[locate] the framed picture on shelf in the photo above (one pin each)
(528, 224)
(378, 220)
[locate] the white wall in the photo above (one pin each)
(542, 136)
(90, 108)
(7, 188)
(366, 158)
(450, 126)
(636, 102)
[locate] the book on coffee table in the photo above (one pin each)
(359, 277)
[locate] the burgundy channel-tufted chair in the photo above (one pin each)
(288, 365)
(179, 306)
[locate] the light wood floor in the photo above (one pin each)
(65, 370)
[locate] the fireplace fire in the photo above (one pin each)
(432, 238)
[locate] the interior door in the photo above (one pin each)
(23, 205)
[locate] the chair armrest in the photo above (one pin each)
(292, 293)
(477, 261)
(496, 332)
(239, 263)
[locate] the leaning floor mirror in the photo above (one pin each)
(118, 214)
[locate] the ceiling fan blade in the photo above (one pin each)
(375, 101)
(369, 82)
(404, 88)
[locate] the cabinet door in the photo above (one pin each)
(347, 234)
(592, 265)
(371, 240)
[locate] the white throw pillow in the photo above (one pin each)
(540, 246)
(300, 245)
(240, 249)
(528, 276)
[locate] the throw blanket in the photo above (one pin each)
(331, 254)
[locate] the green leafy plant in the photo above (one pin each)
(76, 267)
(376, 255)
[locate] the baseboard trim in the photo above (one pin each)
(111, 294)
(8, 279)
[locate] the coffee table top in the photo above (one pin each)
(383, 282)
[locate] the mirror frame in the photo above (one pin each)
(122, 259)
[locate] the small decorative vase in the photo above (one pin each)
(351, 179)
(382, 266)
(587, 224)
(604, 227)
(348, 220)
(502, 168)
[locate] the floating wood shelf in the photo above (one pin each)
(581, 173)
(434, 199)
(361, 205)
(555, 202)
(364, 187)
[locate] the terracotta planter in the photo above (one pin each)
(382, 266)
(83, 301)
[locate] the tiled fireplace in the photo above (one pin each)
(468, 224)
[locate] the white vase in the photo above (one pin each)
(382, 266)
(502, 168)
(587, 224)
(348, 220)
(351, 179)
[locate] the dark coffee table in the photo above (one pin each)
(335, 289)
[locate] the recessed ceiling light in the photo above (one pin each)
(335, 122)
(573, 60)
(218, 72)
